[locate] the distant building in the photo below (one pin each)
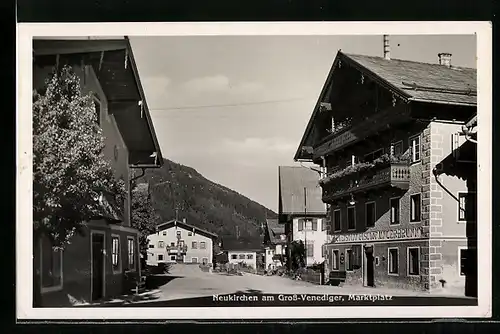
(388, 132)
(301, 210)
(241, 251)
(179, 242)
(274, 244)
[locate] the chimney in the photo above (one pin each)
(445, 59)
(387, 50)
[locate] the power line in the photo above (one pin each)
(229, 105)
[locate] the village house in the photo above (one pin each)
(241, 252)
(301, 210)
(386, 130)
(179, 242)
(92, 266)
(274, 244)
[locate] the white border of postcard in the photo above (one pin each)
(25, 33)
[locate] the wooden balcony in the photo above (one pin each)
(358, 131)
(177, 250)
(391, 175)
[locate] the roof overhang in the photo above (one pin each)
(115, 67)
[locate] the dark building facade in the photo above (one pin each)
(382, 129)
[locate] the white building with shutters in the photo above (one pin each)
(178, 242)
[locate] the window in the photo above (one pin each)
(51, 267)
(462, 256)
(370, 214)
(336, 220)
(172, 257)
(313, 224)
(115, 253)
(203, 245)
(348, 259)
(393, 261)
(413, 262)
(161, 244)
(415, 148)
(234, 256)
(310, 249)
(131, 253)
(242, 256)
(397, 148)
(415, 203)
(179, 234)
(97, 105)
(194, 260)
(374, 155)
(194, 245)
(190, 234)
(164, 232)
(300, 225)
(204, 260)
(335, 260)
(249, 256)
(172, 244)
(394, 202)
(160, 257)
(151, 246)
(467, 206)
(351, 218)
(323, 251)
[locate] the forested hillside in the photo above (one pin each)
(203, 203)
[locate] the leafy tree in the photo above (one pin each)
(142, 214)
(297, 255)
(70, 172)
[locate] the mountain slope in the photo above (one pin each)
(203, 203)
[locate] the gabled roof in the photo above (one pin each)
(412, 81)
(234, 244)
(114, 64)
(274, 226)
(422, 82)
(273, 231)
(186, 226)
(293, 198)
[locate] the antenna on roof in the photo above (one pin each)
(387, 50)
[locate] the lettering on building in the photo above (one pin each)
(402, 233)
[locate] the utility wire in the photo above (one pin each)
(228, 105)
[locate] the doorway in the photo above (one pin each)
(369, 267)
(97, 265)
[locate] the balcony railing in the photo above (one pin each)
(388, 173)
(176, 249)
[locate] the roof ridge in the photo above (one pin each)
(407, 60)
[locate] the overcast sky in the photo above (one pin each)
(235, 108)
